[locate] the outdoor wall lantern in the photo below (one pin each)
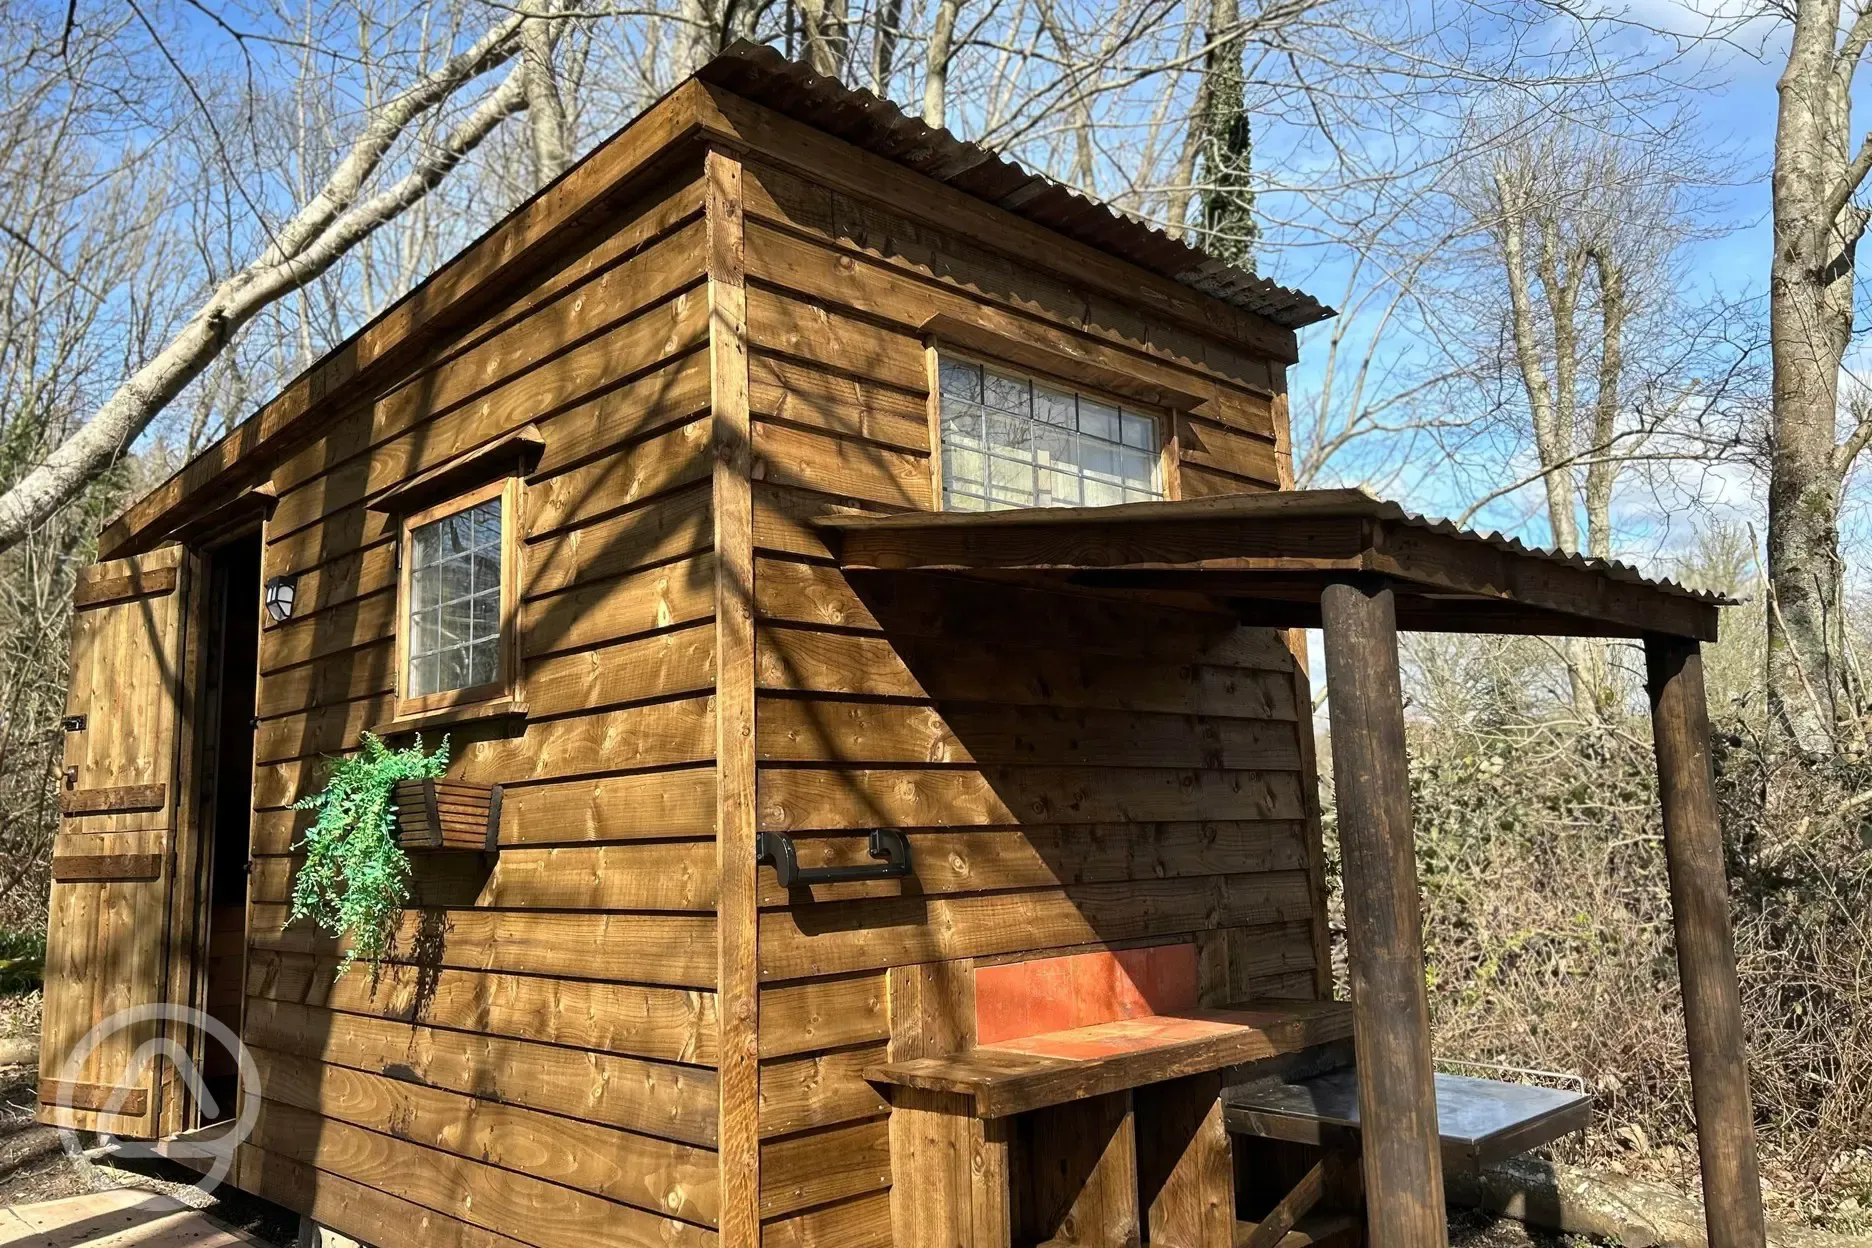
(280, 591)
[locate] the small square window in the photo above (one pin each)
(458, 601)
(1012, 441)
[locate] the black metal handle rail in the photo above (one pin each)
(776, 850)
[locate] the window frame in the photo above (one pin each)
(1163, 418)
(504, 689)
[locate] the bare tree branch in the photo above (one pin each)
(321, 232)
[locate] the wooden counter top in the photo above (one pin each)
(1015, 1076)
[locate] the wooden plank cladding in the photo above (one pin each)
(484, 1196)
(647, 946)
(868, 207)
(1072, 771)
(834, 938)
(98, 591)
(661, 1099)
(537, 1057)
(962, 860)
(106, 866)
(836, 250)
(657, 1176)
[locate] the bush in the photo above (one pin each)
(22, 961)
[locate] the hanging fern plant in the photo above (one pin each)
(355, 880)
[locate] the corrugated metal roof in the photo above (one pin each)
(1282, 504)
(1611, 568)
(879, 126)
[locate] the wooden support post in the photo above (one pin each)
(1705, 945)
(1082, 1173)
(951, 1179)
(1403, 1161)
(737, 913)
(1186, 1164)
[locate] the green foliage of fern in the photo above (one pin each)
(22, 960)
(355, 880)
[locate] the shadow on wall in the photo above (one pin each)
(1134, 767)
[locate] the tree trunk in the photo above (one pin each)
(1228, 221)
(1810, 289)
(1602, 471)
(936, 71)
(1602, 468)
(1183, 184)
(699, 34)
(826, 38)
(1550, 404)
(1551, 442)
(333, 221)
(884, 47)
(546, 116)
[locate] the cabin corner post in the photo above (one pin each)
(1706, 961)
(1403, 1162)
(737, 978)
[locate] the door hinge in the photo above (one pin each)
(71, 777)
(74, 723)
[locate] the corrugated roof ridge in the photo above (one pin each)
(880, 126)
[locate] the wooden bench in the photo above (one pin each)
(1085, 1136)
(1480, 1121)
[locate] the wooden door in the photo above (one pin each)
(111, 931)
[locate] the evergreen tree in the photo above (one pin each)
(1228, 224)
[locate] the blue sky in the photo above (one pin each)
(1734, 104)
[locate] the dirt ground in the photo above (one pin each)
(1471, 1228)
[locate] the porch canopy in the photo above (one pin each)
(1359, 569)
(1272, 555)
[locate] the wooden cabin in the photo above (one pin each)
(852, 574)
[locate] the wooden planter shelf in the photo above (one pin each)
(448, 814)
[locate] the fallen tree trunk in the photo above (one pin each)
(1628, 1211)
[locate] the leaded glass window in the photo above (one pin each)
(455, 601)
(1013, 441)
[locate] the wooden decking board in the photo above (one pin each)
(124, 1217)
